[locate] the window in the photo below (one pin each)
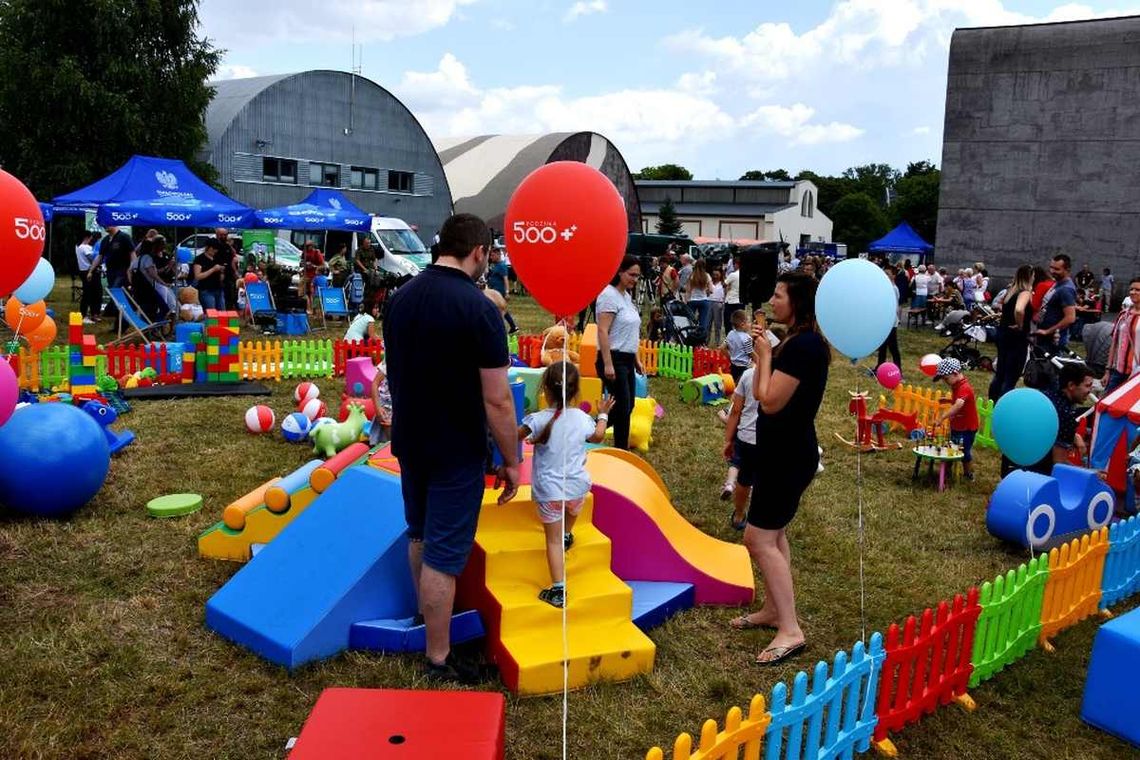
(327, 175)
(364, 178)
(400, 182)
(807, 205)
(279, 170)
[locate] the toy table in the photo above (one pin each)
(943, 456)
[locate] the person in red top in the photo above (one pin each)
(1042, 284)
(313, 260)
(963, 412)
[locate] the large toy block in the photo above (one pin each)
(1114, 671)
(588, 352)
(358, 376)
(654, 602)
(188, 333)
(530, 377)
(341, 561)
(376, 724)
(1041, 511)
(404, 635)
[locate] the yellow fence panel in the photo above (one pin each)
(1072, 592)
(739, 735)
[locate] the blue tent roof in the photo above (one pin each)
(148, 190)
(322, 209)
(902, 239)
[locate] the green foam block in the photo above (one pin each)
(174, 505)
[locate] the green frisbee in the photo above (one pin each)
(174, 505)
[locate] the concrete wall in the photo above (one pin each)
(1042, 145)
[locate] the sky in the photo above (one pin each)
(721, 86)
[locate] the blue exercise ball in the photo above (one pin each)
(55, 459)
(1025, 425)
(856, 307)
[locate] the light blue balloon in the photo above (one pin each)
(38, 285)
(855, 306)
(1025, 425)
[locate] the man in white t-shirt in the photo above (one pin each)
(934, 281)
(732, 293)
(921, 285)
(91, 301)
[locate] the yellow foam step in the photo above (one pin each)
(602, 651)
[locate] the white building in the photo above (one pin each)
(741, 210)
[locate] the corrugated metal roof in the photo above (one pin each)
(713, 183)
(231, 95)
(718, 209)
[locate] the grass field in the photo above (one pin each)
(103, 651)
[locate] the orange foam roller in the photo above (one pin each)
(324, 475)
(234, 514)
(729, 383)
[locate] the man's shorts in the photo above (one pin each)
(441, 506)
(551, 511)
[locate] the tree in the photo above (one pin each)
(920, 168)
(776, 175)
(916, 201)
(873, 180)
(831, 189)
(857, 221)
(667, 223)
(84, 84)
(664, 171)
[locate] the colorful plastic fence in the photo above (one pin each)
(836, 718)
(1010, 619)
(985, 435)
(513, 344)
(1122, 564)
(926, 665)
(126, 360)
(924, 403)
(1072, 592)
(649, 354)
(42, 370)
(530, 350)
(739, 735)
(286, 360)
(709, 361)
(343, 350)
(674, 361)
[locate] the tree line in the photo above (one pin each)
(863, 202)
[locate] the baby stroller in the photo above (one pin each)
(681, 324)
(965, 335)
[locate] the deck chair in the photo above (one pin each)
(260, 307)
(132, 316)
(333, 304)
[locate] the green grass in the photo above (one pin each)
(103, 651)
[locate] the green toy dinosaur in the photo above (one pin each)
(330, 438)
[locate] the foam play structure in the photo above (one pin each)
(1039, 511)
(1114, 671)
(1116, 429)
(371, 724)
(336, 577)
(708, 389)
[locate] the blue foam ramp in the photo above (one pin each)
(402, 636)
(654, 602)
(342, 560)
(1114, 671)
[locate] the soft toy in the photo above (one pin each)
(640, 424)
(554, 344)
(330, 438)
(347, 402)
(144, 378)
(190, 310)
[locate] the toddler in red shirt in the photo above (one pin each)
(963, 411)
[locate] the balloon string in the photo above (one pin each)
(860, 534)
(565, 571)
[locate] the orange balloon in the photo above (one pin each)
(41, 337)
(24, 318)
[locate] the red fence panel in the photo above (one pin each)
(927, 667)
(343, 350)
(127, 360)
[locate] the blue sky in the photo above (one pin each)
(721, 87)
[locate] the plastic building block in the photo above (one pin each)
(1114, 671)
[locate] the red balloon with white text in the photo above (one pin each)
(22, 233)
(565, 231)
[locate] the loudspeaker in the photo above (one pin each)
(759, 265)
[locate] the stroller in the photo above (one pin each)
(681, 324)
(966, 331)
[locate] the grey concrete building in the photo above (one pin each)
(1042, 146)
(483, 172)
(273, 138)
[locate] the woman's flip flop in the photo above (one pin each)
(742, 623)
(781, 654)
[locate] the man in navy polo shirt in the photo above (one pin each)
(446, 352)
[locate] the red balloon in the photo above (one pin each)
(22, 233)
(565, 232)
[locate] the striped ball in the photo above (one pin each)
(259, 419)
(305, 392)
(295, 427)
(313, 408)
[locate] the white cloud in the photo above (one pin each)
(235, 23)
(234, 71)
(920, 131)
(702, 83)
(584, 8)
(794, 123)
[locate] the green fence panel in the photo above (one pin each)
(1011, 618)
(985, 435)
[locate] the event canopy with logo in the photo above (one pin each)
(1115, 433)
(902, 240)
(158, 191)
(323, 209)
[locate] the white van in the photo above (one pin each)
(399, 241)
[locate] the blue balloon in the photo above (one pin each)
(38, 285)
(1025, 425)
(856, 307)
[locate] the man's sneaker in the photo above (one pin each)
(567, 541)
(454, 670)
(88, 321)
(725, 492)
(555, 596)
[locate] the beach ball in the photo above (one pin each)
(295, 427)
(929, 364)
(888, 375)
(259, 419)
(305, 392)
(313, 408)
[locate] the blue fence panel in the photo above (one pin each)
(837, 717)
(1122, 566)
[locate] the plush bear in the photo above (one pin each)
(189, 309)
(554, 343)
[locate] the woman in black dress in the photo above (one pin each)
(789, 382)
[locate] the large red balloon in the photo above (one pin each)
(22, 233)
(566, 233)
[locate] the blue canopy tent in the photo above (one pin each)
(903, 241)
(322, 209)
(158, 191)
